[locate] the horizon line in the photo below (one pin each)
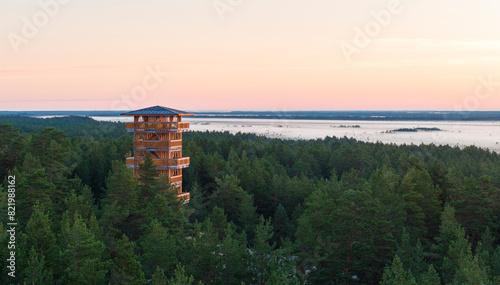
(271, 111)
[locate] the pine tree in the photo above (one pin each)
(160, 249)
(12, 145)
(83, 203)
(462, 265)
(495, 265)
(198, 202)
(37, 272)
(404, 251)
(147, 174)
(485, 250)
(82, 253)
(235, 257)
(418, 265)
(412, 257)
(40, 236)
(383, 184)
(459, 265)
(30, 164)
(440, 176)
(203, 258)
(159, 277)
(448, 232)
(31, 188)
(315, 232)
(180, 277)
(166, 208)
(474, 206)
(121, 188)
(120, 202)
(396, 275)
(51, 146)
(422, 203)
(262, 251)
(431, 277)
(219, 222)
(281, 224)
(237, 204)
(126, 269)
(354, 226)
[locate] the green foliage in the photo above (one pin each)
(40, 236)
(475, 205)
(340, 232)
(159, 277)
(126, 269)
(51, 146)
(333, 211)
(180, 277)
(262, 251)
(203, 259)
(121, 188)
(147, 174)
(31, 187)
(36, 271)
(160, 249)
(459, 265)
(82, 202)
(396, 275)
(11, 147)
(120, 201)
(495, 264)
(413, 257)
(82, 253)
(73, 126)
(281, 224)
(422, 203)
(431, 277)
(235, 257)
(237, 204)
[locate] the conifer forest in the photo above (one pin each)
(262, 210)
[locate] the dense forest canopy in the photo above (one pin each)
(263, 211)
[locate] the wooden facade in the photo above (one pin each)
(158, 130)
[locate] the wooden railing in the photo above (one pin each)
(158, 126)
(183, 125)
(175, 179)
(143, 144)
(183, 161)
(184, 196)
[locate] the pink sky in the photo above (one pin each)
(258, 55)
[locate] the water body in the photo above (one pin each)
(484, 134)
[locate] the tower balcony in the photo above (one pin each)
(184, 196)
(157, 127)
(157, 145)
(175, 179)
(175, 163)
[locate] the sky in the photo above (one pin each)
(276, 55)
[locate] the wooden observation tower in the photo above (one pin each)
(158, 130)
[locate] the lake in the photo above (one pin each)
(480, 134)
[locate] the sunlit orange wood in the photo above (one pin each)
(158, 131)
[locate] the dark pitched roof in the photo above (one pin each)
(157, 110)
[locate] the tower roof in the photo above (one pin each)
(157, 110)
